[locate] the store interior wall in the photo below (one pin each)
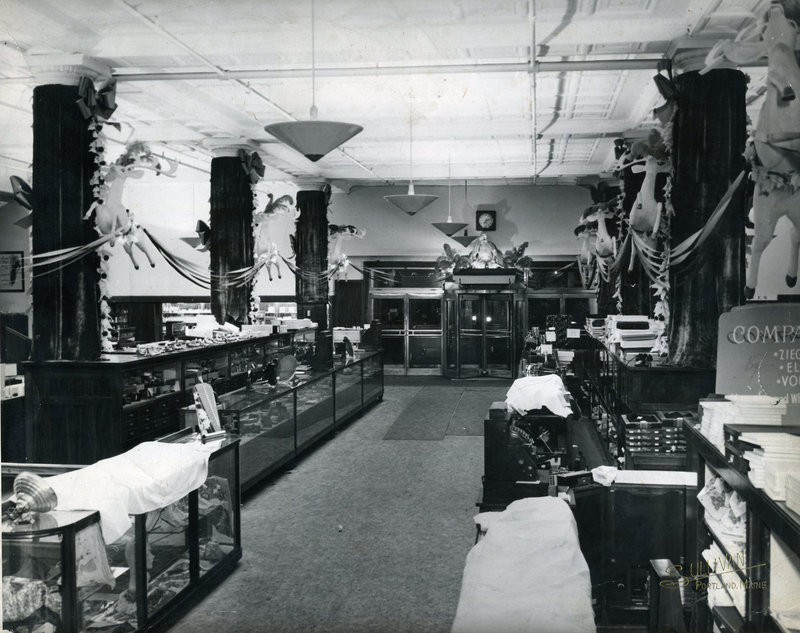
(543, 216)
(169, 208)
(15, 238)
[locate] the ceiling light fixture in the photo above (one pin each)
(465, 240)
(449, 228)
(313, 138)
(411, 202)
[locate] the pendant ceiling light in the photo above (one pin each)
(411, 202)
(313, 138)
(465, 240)
(449, 228)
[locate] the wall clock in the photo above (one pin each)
(485, 220)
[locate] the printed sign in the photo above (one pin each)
(758, 351)
(573, 332)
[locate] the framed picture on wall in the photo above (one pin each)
(485, 220)
(12, 278)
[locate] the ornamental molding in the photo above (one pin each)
(67, 69)
(229, 147)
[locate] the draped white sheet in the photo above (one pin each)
(527, 574)
(151, 475)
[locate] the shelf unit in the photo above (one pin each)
(766, 518)
(78, 412)
(277, 424)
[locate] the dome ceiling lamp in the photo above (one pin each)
(410, 202)
(449, 228)
(313, 138)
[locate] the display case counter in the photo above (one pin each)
(277, 423)
(625, 391)
(79, 412)
(59, 574)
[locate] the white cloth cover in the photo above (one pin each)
(527, 575)
(535, 392)
(147, 477)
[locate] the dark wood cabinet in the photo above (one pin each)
(78, 412)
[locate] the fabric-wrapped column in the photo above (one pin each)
(709, 134)
(311, 287)
(66, 314)
(231, 242)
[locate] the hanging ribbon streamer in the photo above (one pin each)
(186, 269)
(692, 244)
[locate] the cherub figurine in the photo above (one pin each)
(484, 254)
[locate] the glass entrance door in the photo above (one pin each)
(498, 341)
(470, 340)
(485, 343)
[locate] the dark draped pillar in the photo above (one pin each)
(231, 242)
(66, 313)
(709, 134)
(312, 257)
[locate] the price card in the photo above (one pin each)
(546, 349)
(550, 336)
(573, 332)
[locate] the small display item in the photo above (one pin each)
(485, 220)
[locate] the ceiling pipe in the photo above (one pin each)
(239, 76)
(444, 69)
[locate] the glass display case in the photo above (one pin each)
(60, 575)
(80, 412)
(49, 572)
(277, 423)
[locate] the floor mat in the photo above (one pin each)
(437, 411)
(472, 409)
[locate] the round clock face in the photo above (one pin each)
(485, 220)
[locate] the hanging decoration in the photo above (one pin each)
(253, 168)
(448, 263)
(252, 165)
(98, 104)
(773, 151)
(264, 247)
(337, 258)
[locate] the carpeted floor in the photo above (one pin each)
(363, 535)
(458, 408)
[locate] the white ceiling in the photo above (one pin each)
(460, 70)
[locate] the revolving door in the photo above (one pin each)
(481, 337)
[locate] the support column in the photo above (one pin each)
(709, 134)
(66, 314)
(231, 241)
(312, 257)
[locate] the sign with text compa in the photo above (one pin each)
(758, 351)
